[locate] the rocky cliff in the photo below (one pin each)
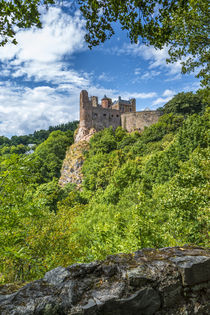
(71, 171)
(165, 281)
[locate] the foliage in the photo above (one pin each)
(183, 26)
(17, 217)
(21, 14)
(51, 153)
(49, 194)
(139, 190)
(185, 104)
(38, 136)
(18, 149)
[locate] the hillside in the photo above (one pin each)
(139, 190)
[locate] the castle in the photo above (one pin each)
(119, 113)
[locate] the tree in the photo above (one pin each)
(18, 14)
(182, 25)
(51, 152)
(185, 103)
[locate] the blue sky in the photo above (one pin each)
(41, 77)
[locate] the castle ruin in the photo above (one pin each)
(118, 113)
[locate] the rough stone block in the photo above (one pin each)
(194, 269)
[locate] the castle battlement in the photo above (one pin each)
(118, 113)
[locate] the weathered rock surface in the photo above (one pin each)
(165, 281)
(71, 171)
(84, 134)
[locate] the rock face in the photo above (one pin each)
(165, 281)
(84, 134)
(71, 171)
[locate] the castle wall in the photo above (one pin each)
(121, 113)
(94, 101)
(125, 106)
(105, 117)
(95, 116)
(139, 120)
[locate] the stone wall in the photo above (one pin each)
(94, 116)
(120, 113)
(104, 118)
(168, 281)
(139, 120)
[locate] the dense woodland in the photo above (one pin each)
(139, 190)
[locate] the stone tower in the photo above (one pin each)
(85, 110)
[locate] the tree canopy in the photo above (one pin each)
(146, 189)
(185, 103)
(182, 25)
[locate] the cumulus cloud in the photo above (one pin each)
(161, 101)
(128, 95)
(60, 34)
(155, 57)
(22, 110)
(40, 52)
(105, 77)
(44, 88)
(38, 83)
(168, 93)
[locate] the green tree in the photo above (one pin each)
(49, 194)
(4, 140)
(18, 215)
(103, 142)
(185, 104)
(50, 154)
(18, 13)
(182, 25)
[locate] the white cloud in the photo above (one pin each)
(40, 53)
(137, 71)
(150, 75)
(40, 56)
(166, 97)
(168, 93)
(60, 34)
(155, 57)
(105, 77)
(161, 101)
(127, 95)
(22, 110)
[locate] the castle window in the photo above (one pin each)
(117, 115)
(112, 115)
(130, 109)
(104, 115)
(95, 114)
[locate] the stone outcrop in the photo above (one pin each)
(165, 281)
(84, 134)
(71, 171)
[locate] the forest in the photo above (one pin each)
(148, 189)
